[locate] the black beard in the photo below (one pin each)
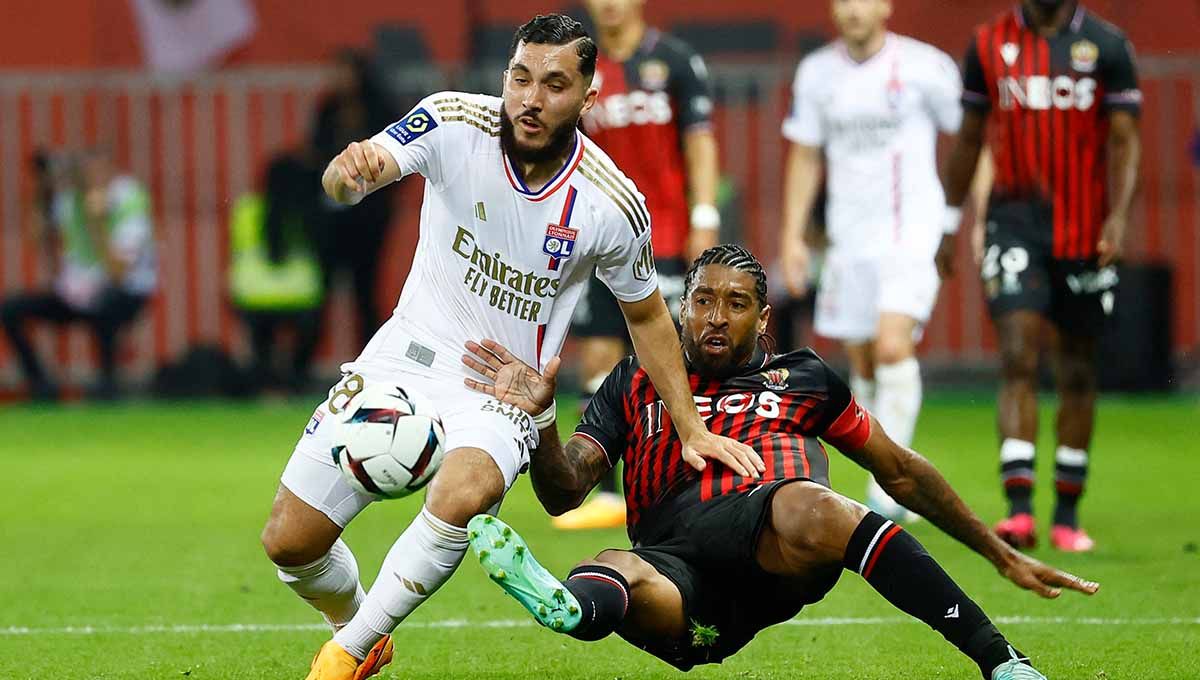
(717, 369)
(560, 139)
(1049, 6)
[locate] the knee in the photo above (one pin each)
(891, 349)
(1018, 359)
(627, 564)
(1076, 377)
(813, 523)
(465, 486)
(288, 549)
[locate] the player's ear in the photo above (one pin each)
(589, 99)
(764, 317)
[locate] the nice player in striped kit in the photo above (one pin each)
(1060, 88)
(717, 556)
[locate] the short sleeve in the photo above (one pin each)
(1120, 79)
(604, 421)
(693, 91)
(835, 415)
(944, 92)
(805, 124)
(975, 88)
(415, 141)
(626, 260)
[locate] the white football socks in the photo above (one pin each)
(420, 561)
(329, 584)
(863, 391)
(898, 398)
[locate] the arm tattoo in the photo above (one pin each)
(562, 475)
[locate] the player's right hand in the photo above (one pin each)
(705, 446)
(1042, 579)
(352, 171)
(944, 258)
(511, 380)
(794, 259)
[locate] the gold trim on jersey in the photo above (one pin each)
(617, 177)
(459, 104)
(620, 197)
(473, 122)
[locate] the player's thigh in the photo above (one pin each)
(1015, 271)
(847, 299)
(656, 605)
(314, 501)
(908, 288)
(488, 444)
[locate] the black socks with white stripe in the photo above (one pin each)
(897, 566)
(603, 595)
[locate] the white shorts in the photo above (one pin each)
(470, 419)
(854, 291)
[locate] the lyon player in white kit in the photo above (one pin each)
(868, 107)
(519, 209)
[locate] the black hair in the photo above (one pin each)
(558, 29)
(742, 260)
(736, 257)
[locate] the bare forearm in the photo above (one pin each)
(960, 169)
(922, 489)
(561, 475)
(981, 185)
(700, 155)
(656, 343)
(1126, 155)
(801, 180)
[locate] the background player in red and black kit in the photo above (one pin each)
(718, 554)
(1061, 91)
(652, 118)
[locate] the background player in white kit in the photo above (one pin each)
(870, 106)
(519, 209)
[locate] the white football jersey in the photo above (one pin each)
(495, 259)
(877, 123)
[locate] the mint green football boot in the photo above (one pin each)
(1015, 669)
(505, 557)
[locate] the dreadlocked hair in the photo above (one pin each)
(735, 257)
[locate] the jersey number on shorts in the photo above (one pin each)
(349, 388)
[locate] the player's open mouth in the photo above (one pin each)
(530, 125)
(714, 344)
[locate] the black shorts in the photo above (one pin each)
(599, 316)
(1019, 271)
(708, 551)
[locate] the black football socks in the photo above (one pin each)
(603, 595)
(900, 569)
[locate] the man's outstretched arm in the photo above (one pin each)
(916, 484)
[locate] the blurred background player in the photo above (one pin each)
(1062, 91)
(870, 105)
(653, 118)
(351, 237)
(98, 222)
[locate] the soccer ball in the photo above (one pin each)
(388, 441)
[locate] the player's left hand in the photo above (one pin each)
(944, 258)
(700, 240)
(512, 381)
(705, 445)
(1112, 238)
(1042, 579)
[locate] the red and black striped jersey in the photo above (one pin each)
(777, 404)
(1049, 100)
(645, 106)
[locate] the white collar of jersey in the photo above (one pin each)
(889, 39)
(556, 182)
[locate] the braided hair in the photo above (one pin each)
(738, 258)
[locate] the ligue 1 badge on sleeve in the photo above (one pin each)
(559, 243)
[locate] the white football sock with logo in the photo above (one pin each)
(329, 584)
(898, 398)
(420, 561)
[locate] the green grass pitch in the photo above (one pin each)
(130, 550)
